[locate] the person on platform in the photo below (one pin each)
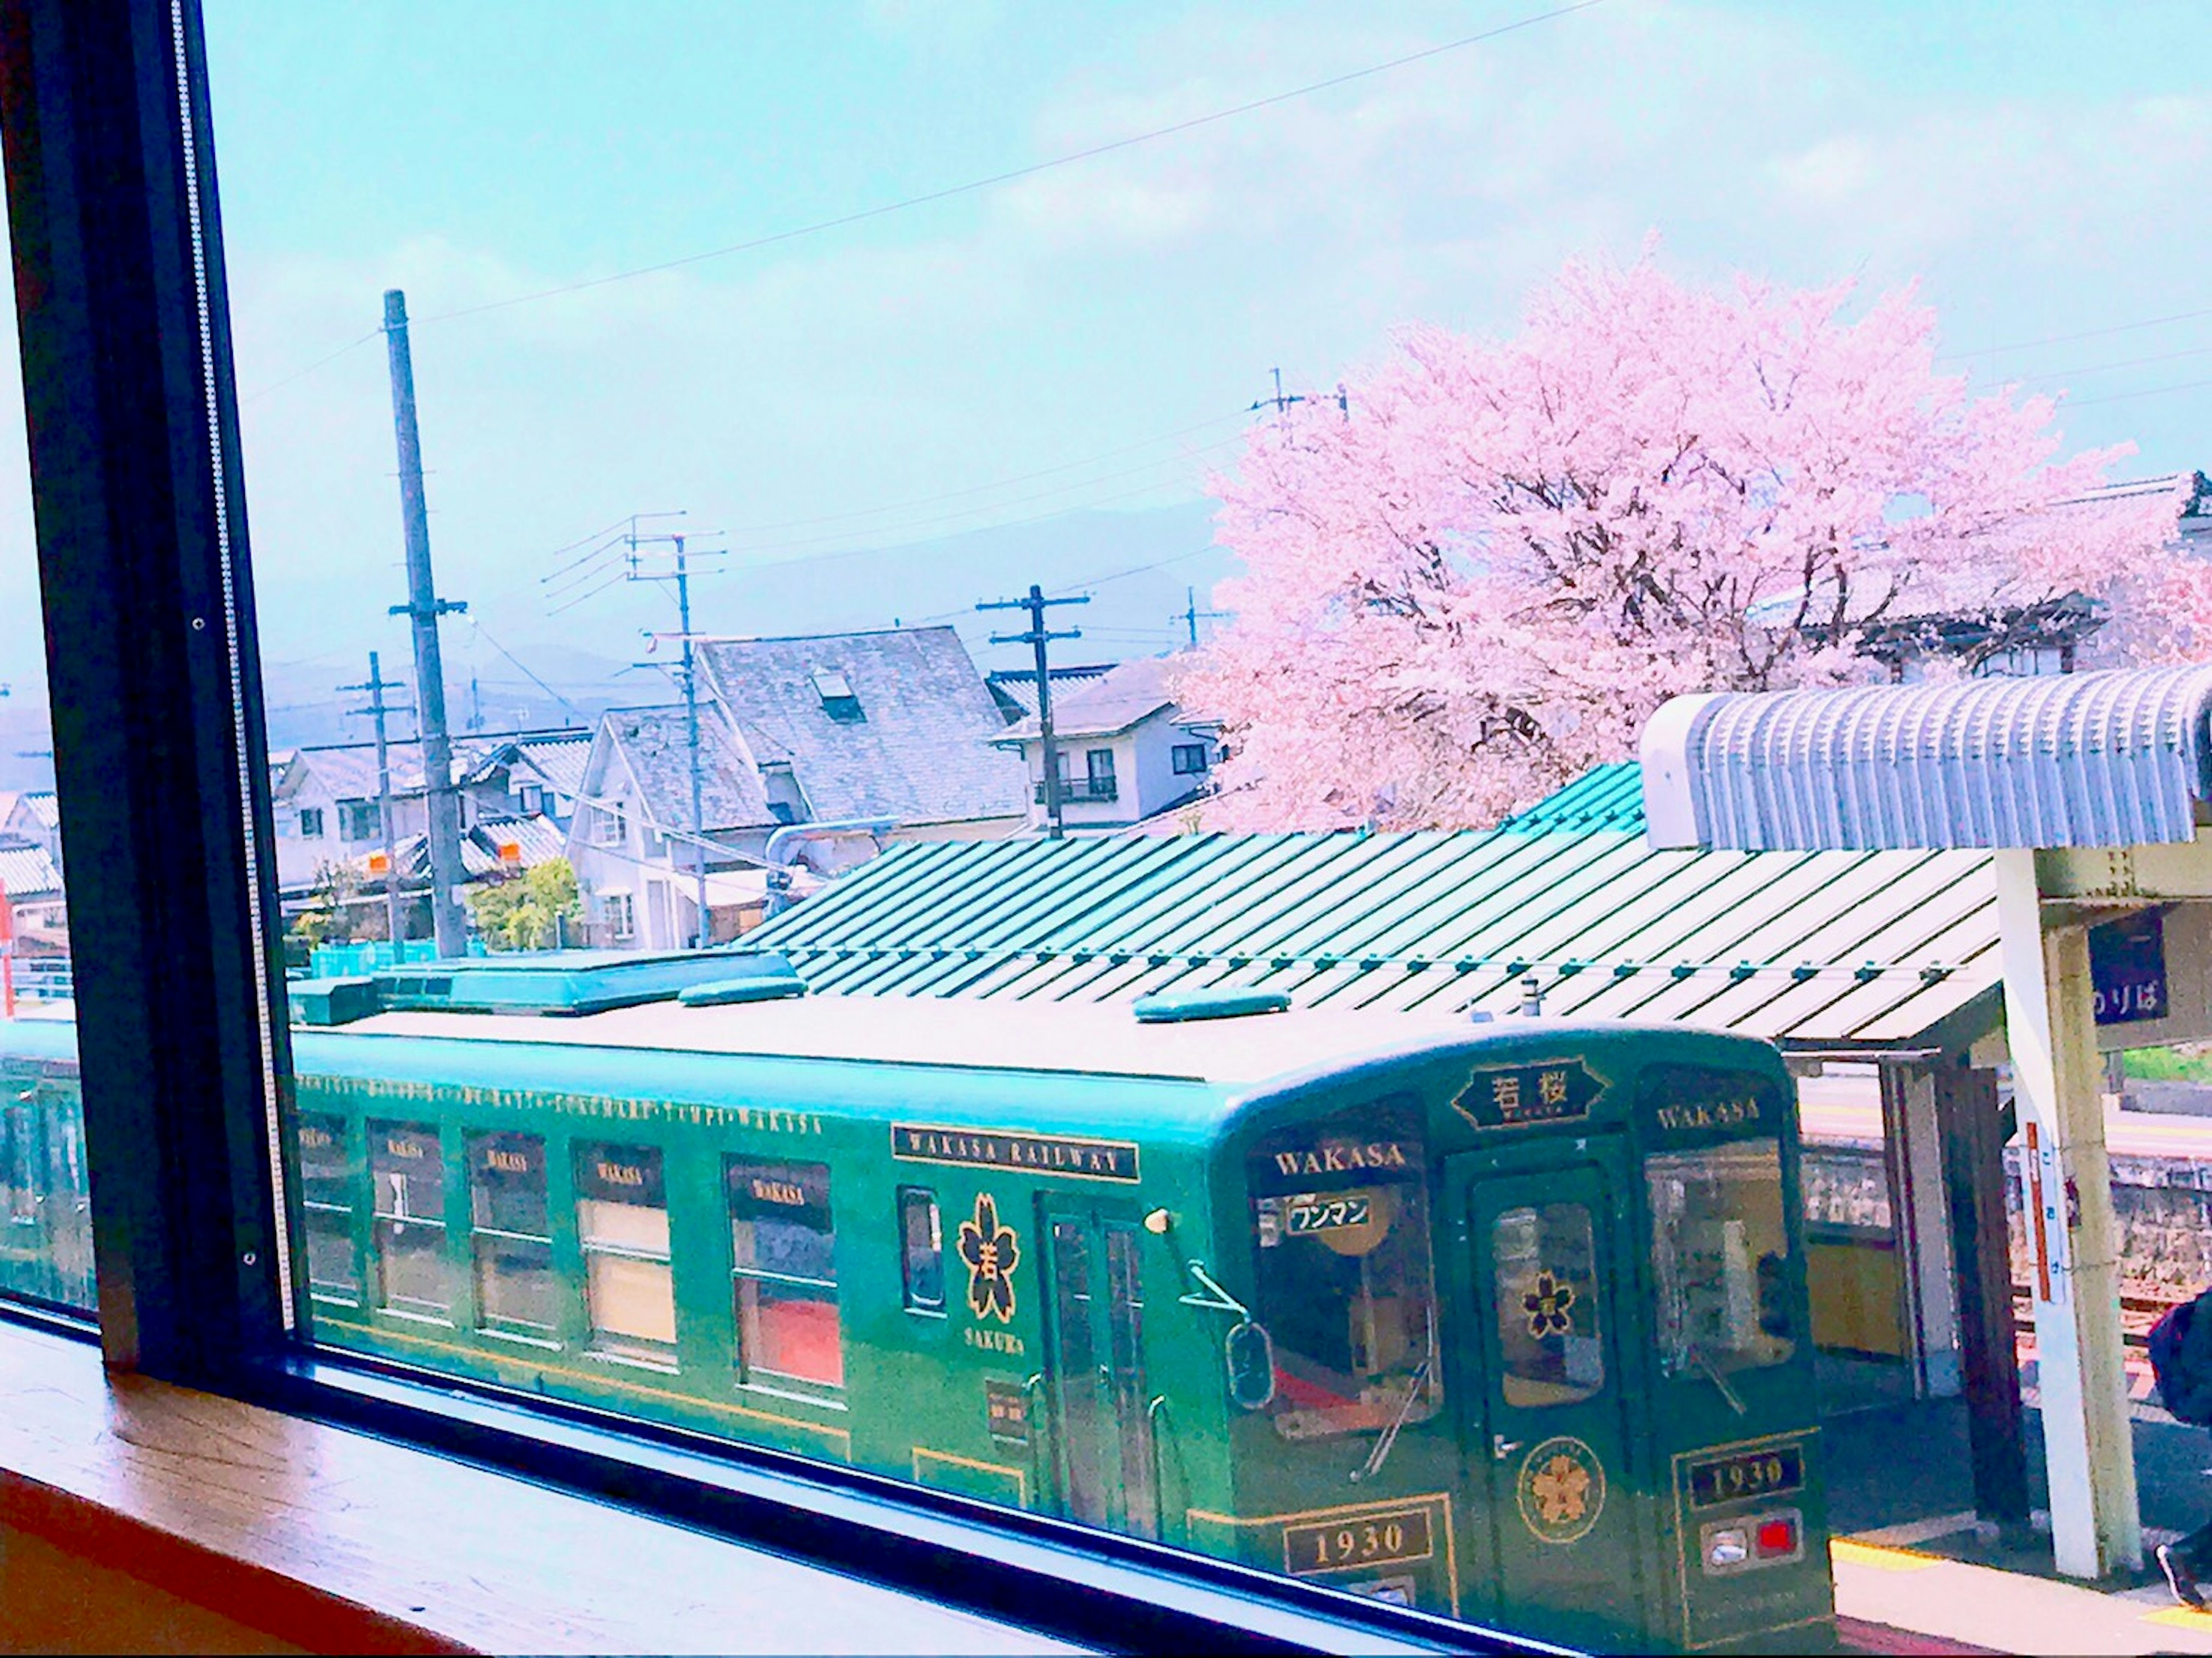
(2181, 1358)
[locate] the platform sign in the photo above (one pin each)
(2127, 968)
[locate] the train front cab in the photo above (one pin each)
(1535, 1342)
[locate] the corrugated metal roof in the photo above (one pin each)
(2071, 759)
(1840, 948)
(1606, 797)
(29, 872)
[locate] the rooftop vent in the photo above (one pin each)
(564, 982)
(1180, 1007)
(761, 987)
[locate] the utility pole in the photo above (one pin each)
(376, 685)
(1038, 639)
(423, 609)
(1281, 404)
(1192, 615)
(681, 575)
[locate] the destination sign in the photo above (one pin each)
(1071, 1158)
(2127, 968)
(1326, 1214)
(1506, 1098)
(1771, 1472)
(1389, 1538)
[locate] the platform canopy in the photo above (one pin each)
(1823, 951)
(2113, 759)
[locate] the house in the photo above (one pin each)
(32, 818)
(633, 842)
(534, 774)
(893, 724)
(1014, 690)
(38, 912)
(325, 799)
(1126, 751)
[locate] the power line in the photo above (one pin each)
(2147, 391)
(2128, 363)
(320, 362)
(2068, 339)
(972, 185)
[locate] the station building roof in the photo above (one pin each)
(1835, 950)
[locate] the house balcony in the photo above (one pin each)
(1074, 789)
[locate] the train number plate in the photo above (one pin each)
(1369, 1540)
(1770, 1472)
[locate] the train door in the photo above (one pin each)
(1094, 1372)
(1541, 1346)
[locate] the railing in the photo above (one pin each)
(1082, 788)
(40, 979)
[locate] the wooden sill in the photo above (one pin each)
(333, 1540)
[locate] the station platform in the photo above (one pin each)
(1894, 1598)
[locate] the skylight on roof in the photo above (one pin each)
(838, 701)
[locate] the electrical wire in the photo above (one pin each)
(2147, 391)
(2068, 339)
(971, 186)
(302, 373)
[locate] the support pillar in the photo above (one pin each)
(2074, 1243)
(1974, 1178)
(1913, 1151)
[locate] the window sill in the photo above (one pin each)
(335, 1540)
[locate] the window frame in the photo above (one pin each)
(145, 573)
(1180, 752)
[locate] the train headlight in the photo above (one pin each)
(1725, 1548)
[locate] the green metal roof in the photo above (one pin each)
(1606, 796)
(1842, 948)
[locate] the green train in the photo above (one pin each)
(1502, 1320)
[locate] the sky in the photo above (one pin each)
(1060, 359)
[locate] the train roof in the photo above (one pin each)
(1058, 1037)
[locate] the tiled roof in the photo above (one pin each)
(558, 757)
(1014, 690)
(656, 745)
(348, 770)
(920, 751)
(541, 840)
(1844, 949)
(1607, 797)
(45, 808)
(1122, 697)
(29, 872)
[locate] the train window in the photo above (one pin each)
(1720, 1251)
(327, 1173)
(784, 1264)
(19, 1176)
(517, 1293)
(921, 1249)
(621, 1220)
(1544, 1260)
(1346, 1283)
(407, 1170)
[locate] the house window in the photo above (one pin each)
(921, 1249)
(622, 914)
(783, 812)
(310, 823)
(621, 1222)
(656, 843)
(1099, 765)
(784, 1265)
(614, 827)
(838, 698)
(529, 798)
(518, 1293)
(1189, 759)
(359, 820)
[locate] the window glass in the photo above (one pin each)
(45, 1222)
(517, 1293)
(1720, 1256)
(1188, 758)
(621, 1222)
(407, 1172)
(921, 1249)
(1346, 1285)
(310, 823)
(1544, 1275)
(329, 1172)
(783, 1248)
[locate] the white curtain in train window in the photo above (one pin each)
(407, 1185)
(622, 1221)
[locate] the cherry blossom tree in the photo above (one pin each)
(1486, 574)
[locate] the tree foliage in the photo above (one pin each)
(1485, 574)
(523, 913)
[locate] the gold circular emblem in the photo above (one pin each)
(1561, 1490)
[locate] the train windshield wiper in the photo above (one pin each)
(1703, 1360)
(1377, 1457)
